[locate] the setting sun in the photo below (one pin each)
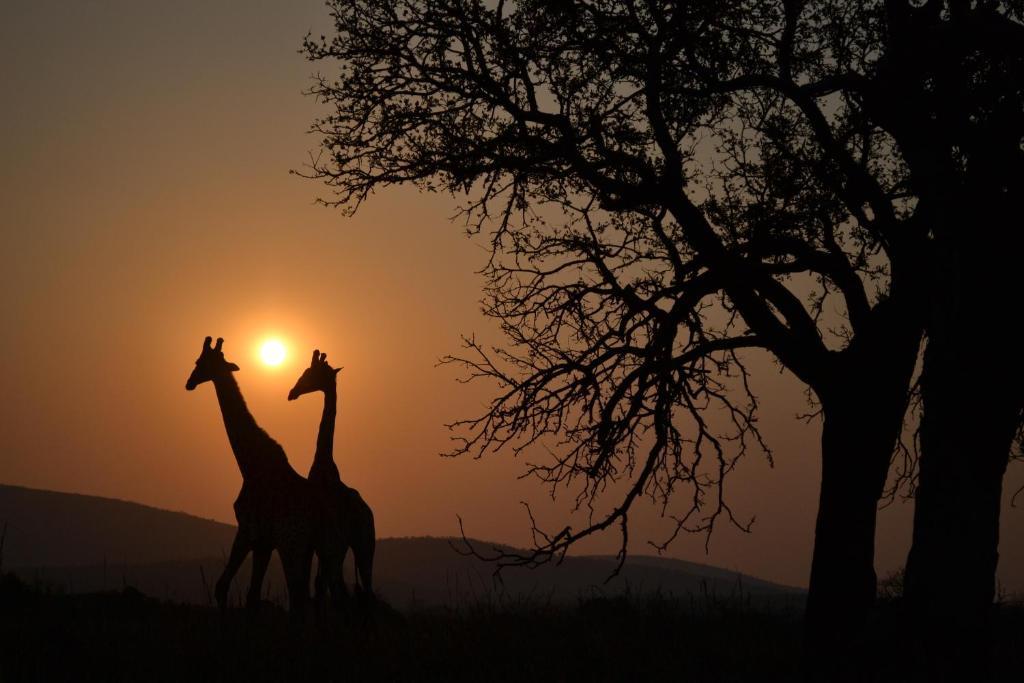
(272, 352)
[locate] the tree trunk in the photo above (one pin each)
(864, 406)
(971, 399)
(858, 439)
(842, 583)
(966, 435)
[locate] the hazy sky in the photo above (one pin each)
(145, 203)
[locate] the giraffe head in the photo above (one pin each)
(209, 365)
(319, 376)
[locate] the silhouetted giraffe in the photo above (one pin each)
(354, 516)
(277, 508)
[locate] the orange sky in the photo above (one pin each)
(145, 203)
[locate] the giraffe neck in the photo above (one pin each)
(324, 467)
(246, 437)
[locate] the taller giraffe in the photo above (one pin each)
(354, 515)
(277, 508)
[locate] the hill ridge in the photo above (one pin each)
(81, 542)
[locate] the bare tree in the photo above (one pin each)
(665, 187)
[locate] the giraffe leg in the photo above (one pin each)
(364, 561)
(297, 563)
(260, 560)
(330, 577)
(332, 542)
(325, 592)
(364, 566)
(336, 580)
(320, 583)
(367, 542)
(239, 549)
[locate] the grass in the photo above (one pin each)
(124, 635)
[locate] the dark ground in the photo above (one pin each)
(124, 635)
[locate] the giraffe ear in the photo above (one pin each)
(337, 370)
(232, 367)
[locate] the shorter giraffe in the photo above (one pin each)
(277, 509)
(354, 516)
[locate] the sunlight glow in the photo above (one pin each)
(273, 352)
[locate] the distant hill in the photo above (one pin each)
(51, 529)
(85, 543)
